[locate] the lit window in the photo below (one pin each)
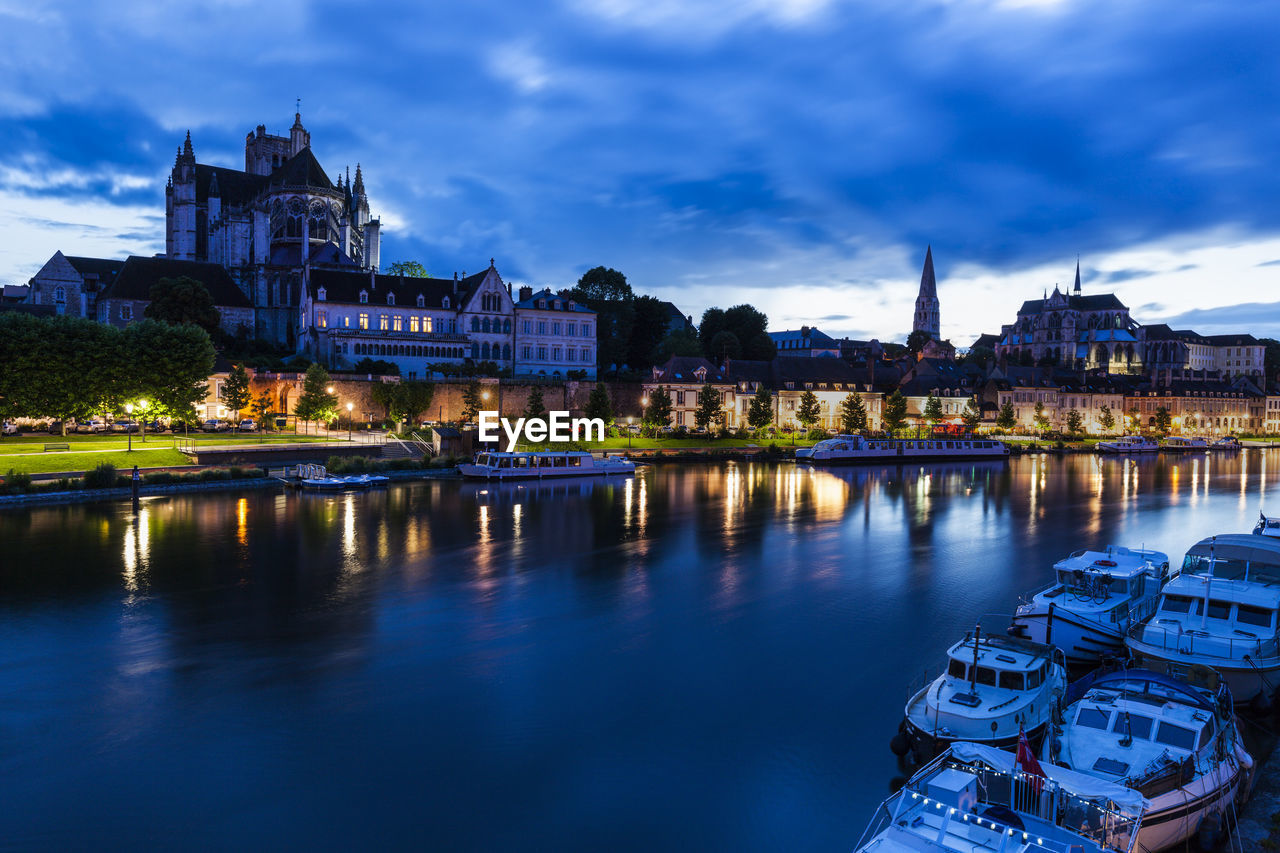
(346, 322)
(397, 323)
(364, 320)
(322, 319)
(413, 324)
(382, 322)
(427, 323)
(364, 297)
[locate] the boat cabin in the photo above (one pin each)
(1235, 556)
(500, 461)
(1007, 663)
(1118, 573)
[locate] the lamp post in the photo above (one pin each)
(128, 408)
(349, 407)
(629, 420)
(328, 390)
(142, 410)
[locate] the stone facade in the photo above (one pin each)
(553, 335)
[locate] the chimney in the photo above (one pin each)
(455, 283)
(526, 293)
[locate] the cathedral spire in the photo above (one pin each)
(928, 283)
(1077, 287)
(928, 313)
(187, 151)
(359, 187)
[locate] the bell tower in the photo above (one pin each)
(927, 318)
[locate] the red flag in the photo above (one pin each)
(1026, 759)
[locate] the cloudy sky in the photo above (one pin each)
(795, 154)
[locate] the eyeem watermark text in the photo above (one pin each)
(553, 426)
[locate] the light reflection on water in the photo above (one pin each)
(700, 656)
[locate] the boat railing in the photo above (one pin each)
(1172, 635)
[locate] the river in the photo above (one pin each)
(702, 657)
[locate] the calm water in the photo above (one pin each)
(703, 657)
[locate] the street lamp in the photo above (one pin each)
(349, 406)
(629, 420)
(128, 408)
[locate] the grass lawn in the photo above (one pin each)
(56, 461)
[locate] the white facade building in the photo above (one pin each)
(553, 335)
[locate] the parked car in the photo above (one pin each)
(215, 425)
(93, 425)
(55, 427)
(9, 428)
(126, 425)
(156, 426)
(247, 425)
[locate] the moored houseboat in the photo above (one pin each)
(543, 464)
(847, 449)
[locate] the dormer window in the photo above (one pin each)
(321, 294)
(445, 302)
(364, 297)
(422, 301)
(572, 304)
(391, 298)
(542, 303)
(557, 305)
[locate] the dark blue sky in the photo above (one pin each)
(798, 155)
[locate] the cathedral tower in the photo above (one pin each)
(927, 310)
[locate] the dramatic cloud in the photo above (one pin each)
(796, 154)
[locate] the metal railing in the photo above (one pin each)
(1172, 635)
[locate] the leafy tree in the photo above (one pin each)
(376, 367)
(408, 269)
(648, 330)
(262, 407)
(658, 412)
(932, 410)
(760, 347)
(1132, 418)
(760, 413)
(183, 300)
(746, 323)
(472, 402)
(853, 413)
(1075, 423)
(606, 292)
(172, 365)
(1106, 419)
(1006, 419)
(316, 403)
(1042, 421)
(972, 414)
(981, 356)
(1163, 420)
(605, 284)
(709, 406)
(679, 342)
(724, 345)
(599, 405)
(403, 401)
(917, 339)
(808, 412)
(235, 390)
(895, 411)
(534, 407)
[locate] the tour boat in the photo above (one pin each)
(1171, 741)
(1128, 444)
(498, 465)
(1096, 597)
(993, 687)
(1220, 612)
(1228, 443)
(977, 798)
(1184, 444)
(856, 448)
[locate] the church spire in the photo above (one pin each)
(928, 313)
(359, 187)
(928, 283)
(1077, 287)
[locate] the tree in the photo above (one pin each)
(262, 407)
(183, 300)
(679, 342)
(1042, 421)
(808, 412)
(534, 407)
(895, 411)
(709, 407)
(917, 339)
(932, 410)
(408, 269)
(1106, 420)
(403, 401)
(606, 292)
(760, 413)
(981, 356)
(171, 366)
(658, 412)
(1132, 418)
(648, 330)
(972, 414)
(599, 405)
(1075, 423)
(376, 367)
(748, 326)
(1006, 419)
(235, 390)
(724, 345)
(853, 413)
(472, 402)
(316, 403)
(1163, 420)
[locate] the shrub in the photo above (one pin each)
(211, 474)
(816, 435)
(18, 483)
(400, 465)
(102, 477)
(158, 478)
(237, 473)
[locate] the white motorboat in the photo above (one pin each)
(1220, 612)
(1267, 526)
(977, 798)
(1094, 600)
(1128, 444)
(1173, 742)
(1228, 444)
(993, 688)
(844, 449)
(325, 484)
(364, 481)
(1184, 444)
(538, 465)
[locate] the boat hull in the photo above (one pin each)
(478, 472)
(1084, 643)
(905, 456)
(925, 745)
(1246, 681)
(1175, 816)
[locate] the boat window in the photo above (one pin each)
(482, 459)
(1034, 677)
(1205, 733)
(1219, 609)
(1254, 616)
(1180, 604)
(560, 462)
(1176, 736)
(987, 675)
(504, 463)
(1011, 680)
(574, 461)
(1139, 726)
(1094, 718)
(957, 669)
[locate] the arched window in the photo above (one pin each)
(364, 297)
(422, 300)
(60, 294)
(484, 325)
(445, 302)
(506, 327)
(321, 294)
(484, 351)
(391, 298)
(475, 350)
(506, 352)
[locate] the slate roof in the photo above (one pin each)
(1093, 302)
(1232, 340)
(345, 285)
(680, 369)
(301, 170)
(106, 269)
(815, 339)
(138, 275)
(545, 293)
(677, 318)
(985, 340)
(234, 187)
